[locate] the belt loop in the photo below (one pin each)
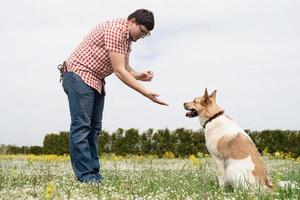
(62, 68)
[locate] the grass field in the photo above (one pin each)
(135, 177)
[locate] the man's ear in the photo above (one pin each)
(132, 20)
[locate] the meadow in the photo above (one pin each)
(137, 177)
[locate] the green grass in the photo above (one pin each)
(134, 178)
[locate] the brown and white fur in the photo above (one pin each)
(236, 157)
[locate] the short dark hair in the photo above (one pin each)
(143, 17)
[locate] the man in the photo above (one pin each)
(105, 50)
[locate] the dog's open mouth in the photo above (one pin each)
(191, 113)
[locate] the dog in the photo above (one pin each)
(237, 159)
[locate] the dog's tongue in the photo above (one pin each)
(189, 114)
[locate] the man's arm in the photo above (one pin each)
(118, 62)
(141, 76)
(128, 68)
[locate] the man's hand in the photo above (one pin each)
(145, 76)
(127, 76)
(153, 97)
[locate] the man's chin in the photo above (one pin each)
(133, 39)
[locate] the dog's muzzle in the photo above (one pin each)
(191, 112)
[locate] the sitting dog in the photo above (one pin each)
(236, 157)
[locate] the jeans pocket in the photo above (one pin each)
(73, 83)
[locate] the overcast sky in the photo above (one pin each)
(249, 50)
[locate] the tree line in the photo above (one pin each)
(181, 142)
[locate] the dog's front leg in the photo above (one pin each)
(220, 165)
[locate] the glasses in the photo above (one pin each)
(144, 33)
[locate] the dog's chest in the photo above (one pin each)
(211, 142)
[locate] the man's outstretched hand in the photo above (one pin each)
(153, 97)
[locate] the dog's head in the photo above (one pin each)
(204, 106)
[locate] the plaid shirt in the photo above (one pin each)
(90, 60)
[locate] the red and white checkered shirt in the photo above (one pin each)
(90, 60)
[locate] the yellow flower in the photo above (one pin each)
(115, 157)
(266, 152)
(289, 156)
(200, 155)
(50, 191)
(195, 161)
(277, 154)
(169, 155)
(206, 155)
(151, 157)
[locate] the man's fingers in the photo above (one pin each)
(161, 102)
(150, 73)
(156, 100)
(154, 95)
(146, 76)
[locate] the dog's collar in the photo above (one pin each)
(213, 117)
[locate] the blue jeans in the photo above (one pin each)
(86, 108)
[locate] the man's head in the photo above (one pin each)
(141, 22)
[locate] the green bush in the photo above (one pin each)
(181, 142)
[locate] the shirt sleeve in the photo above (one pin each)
(114, 40)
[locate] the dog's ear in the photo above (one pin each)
(205, 93)
(206, 97)
(213, 94)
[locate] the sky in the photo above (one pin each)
(249, 50)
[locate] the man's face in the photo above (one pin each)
(137, 31)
